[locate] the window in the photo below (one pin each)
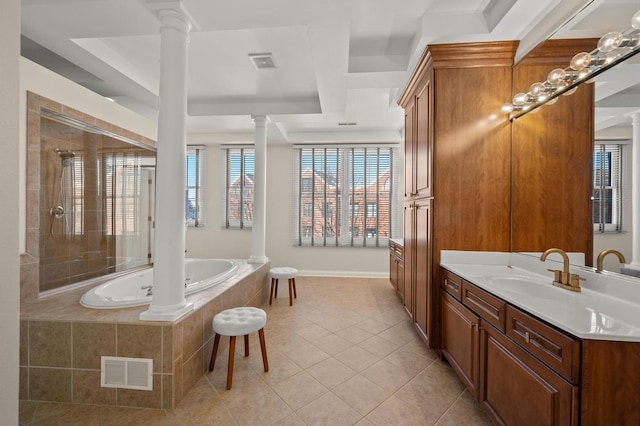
(194, 211)
(239, 175)
(607, 188)
(330, 184)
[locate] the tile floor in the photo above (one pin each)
(345, 353)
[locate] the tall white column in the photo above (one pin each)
(635, 193)
(258, 230)
(169, 302)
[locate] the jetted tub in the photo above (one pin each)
(126, 290)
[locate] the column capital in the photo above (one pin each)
(175, 8)
(260, 120)
(635, 117)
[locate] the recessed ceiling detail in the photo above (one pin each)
(262, 60)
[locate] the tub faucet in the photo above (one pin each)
(604, 253)
(563, 279)
(149, 289)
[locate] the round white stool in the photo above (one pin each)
(238, 322)
(282, 273)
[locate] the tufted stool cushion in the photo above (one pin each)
(238, 322)
(283, 272)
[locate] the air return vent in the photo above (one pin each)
(126, 373)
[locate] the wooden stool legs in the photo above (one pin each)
(232, 352)
(292, 290)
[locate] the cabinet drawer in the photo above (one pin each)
(554, 348)
(484, 304)
(451, 283)
(396, 250)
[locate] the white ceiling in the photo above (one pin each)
(337, 61)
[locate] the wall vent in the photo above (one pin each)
(126, 373)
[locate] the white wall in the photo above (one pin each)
(9, 259)
(214, 241)
(34, 78)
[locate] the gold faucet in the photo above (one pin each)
(602, 255)
(563, 279)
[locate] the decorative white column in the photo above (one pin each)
(258, 230)
(169, 303)
(635, 192)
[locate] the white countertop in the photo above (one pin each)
(608, 308)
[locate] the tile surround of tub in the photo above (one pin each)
(61, 344)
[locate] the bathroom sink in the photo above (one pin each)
(523, 285)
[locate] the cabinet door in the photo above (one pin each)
(460, 340)
(409, 256)
(423, 143)
(517, 389)
(423, 276)
(409, 147)
(393, 270)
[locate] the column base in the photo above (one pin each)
(165, 313)
(258, 260)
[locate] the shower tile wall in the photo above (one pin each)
(57, 255)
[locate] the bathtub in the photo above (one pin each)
(125, 291)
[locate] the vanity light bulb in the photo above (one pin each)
(552, 101)
(570, 91)
(536, 89)
(556, 76)
(506, 108)
(580, 61)
(635, 20)
(520, 99)
(610, 41)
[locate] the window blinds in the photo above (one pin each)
(195, 186)
(345, 195)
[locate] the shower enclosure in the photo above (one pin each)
(96, 202)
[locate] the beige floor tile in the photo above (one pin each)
(465, 411)
(361, 394)
(118, 416)
(328, 410)
(291, 420)
(387, 375)
(281, 367)
(313, 332)
(307, 355)
(373, 326)
(354, 334)
(300, 390)
(411, 362)
(401, 333)
(394, 411)
(333, 344)
(259, 408)
(27, 410)
(331, 372)
(379, 346)
(202, 405)
(357, 358)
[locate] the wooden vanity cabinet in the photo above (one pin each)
(521, 370)
(396, 266)
(517, 389)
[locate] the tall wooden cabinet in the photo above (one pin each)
(456, 165)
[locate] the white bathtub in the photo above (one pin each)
(126, 291)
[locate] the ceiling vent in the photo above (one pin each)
(347, 123)
(262, 60)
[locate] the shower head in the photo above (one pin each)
(66, 156)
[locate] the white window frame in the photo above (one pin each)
(195, 190)
(616, 150)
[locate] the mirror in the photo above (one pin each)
(617, 94)
(95, 198)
